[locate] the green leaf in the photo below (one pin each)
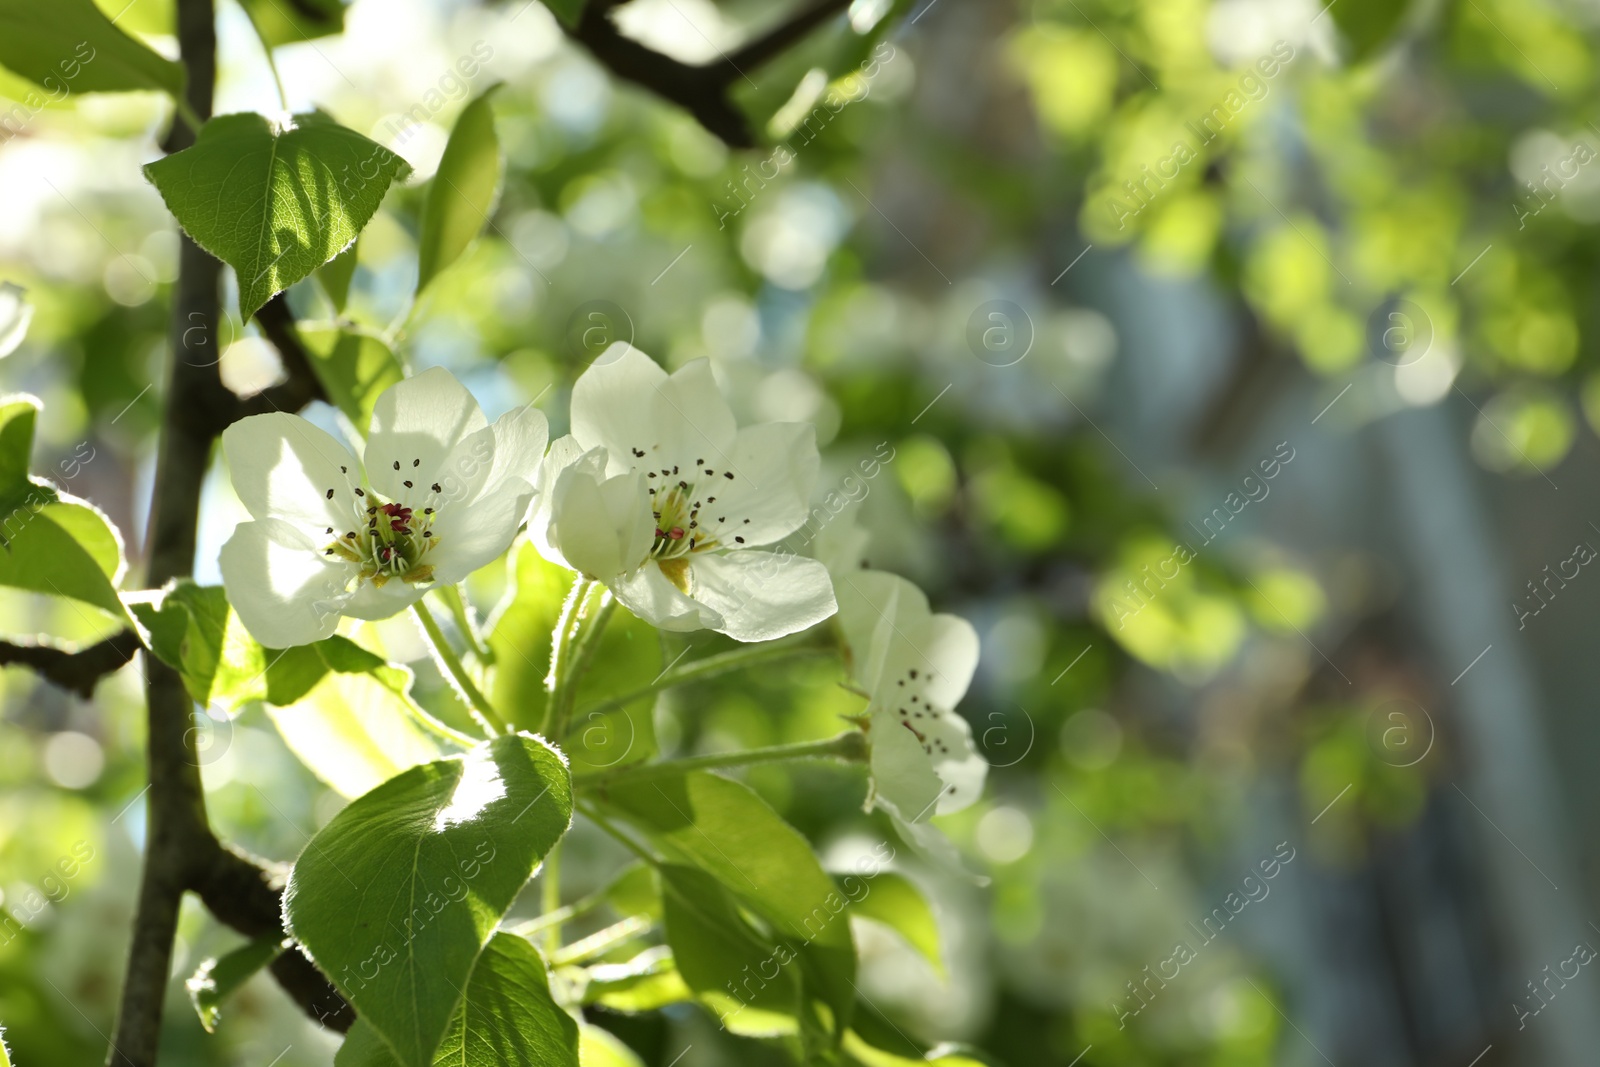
(352, 730)
(600, 1048)
(217, 979)
(895, 901)
(1368, 24)
(866, 1055)
(275, 204)
(354, 366)
(506, 1016)
(5, 1053)
(335, 275)
(630, 650)
(286, 23)
(800, 92)
(51, 542)
(397, 895)
(635, 892)
(648, 982)
(461, 194)
(747, 978)
(70, 44)
(568, 11)
(192, 628)
(726, 830)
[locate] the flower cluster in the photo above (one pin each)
(657, 493)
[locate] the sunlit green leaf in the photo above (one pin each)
(283, 22)
(354, 367)
(70, 45)
(726, 830)
(600, 1048)
(334, 276)
(51, 542)
(461, 194)
(219, 978)
(630, 649)
(895, 901)
(275, 203)
(395, 898)
(506, 1016)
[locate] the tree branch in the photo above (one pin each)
(781, 38)
(302, 384)
(181, 852)
(702, 91)
(77, 671)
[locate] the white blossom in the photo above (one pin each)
(438, 494)
(916, 666)
(658, 494)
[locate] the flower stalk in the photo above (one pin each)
(710, 667)
(477, 703)
(848, 747)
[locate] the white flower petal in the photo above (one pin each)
(774, 467)
(651, 596)
(614, 401)
(602, 528)
(371, 603)
(902, 775)
(473, 535)
(930, 841)
(956, 761)
(628, 405)
(15, 315)
(520, 436)
(284, 589)
(416, 423)
(841, 545)
(934, 656)
(762, 596)
(692, 421)
(283, 467)
(564, 452)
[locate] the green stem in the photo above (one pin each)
(272, 62)
(560, 640)
(712, 667)
(621, 838)
(850, 746)
(560, 915)
(463, 618)
(437, 728)
(583, 653)
(550, 899)
(477, 703)
(601, 941)
(186, 113)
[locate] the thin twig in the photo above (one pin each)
(77, 671)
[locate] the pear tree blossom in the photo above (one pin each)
(916, 666)
(661, 496)
(438, 493)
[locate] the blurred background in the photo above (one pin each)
(1237, 361)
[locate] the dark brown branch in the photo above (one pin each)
(781, 38)
(181, 852)
(246, 894)
(700, 90)
(302, 385)
(175, 799)
(77, 671)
